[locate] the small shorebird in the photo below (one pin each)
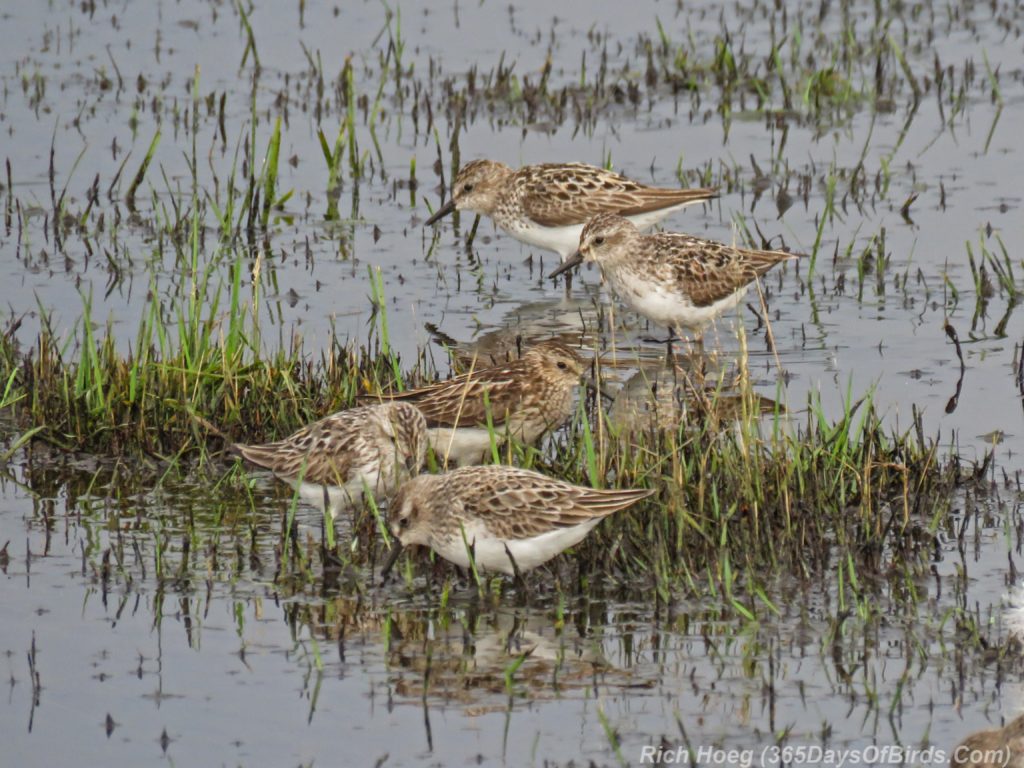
(547, 205)
(663, 399)
(511, 519)
(525, 398)
(672, 279)
(333, 461)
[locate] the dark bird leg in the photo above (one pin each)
(673, 335)
(667, 341)
(568, 285)
(520, 582)
(564, 270)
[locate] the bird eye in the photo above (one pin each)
(403, 522)
(468, 188)
(562, 365)
(598, 241)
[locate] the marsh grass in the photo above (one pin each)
(739, 496)
(199, 353)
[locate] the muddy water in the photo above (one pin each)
(215, 662)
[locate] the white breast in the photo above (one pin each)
(664, 306)
(564, 241)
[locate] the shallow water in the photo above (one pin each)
(234, 668)
(230, 665)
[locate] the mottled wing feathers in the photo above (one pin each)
(710, 271)
(460, 402)
(522, 504)
(560, 195)
(329, 451)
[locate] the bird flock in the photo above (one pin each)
(500, 518)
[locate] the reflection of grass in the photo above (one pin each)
(140, 175)
(612, 736)
(333, 161)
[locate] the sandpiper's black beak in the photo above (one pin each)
(396, 550)
(440, 213)
(573, 261)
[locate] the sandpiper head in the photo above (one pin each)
(604, 238)
(555, 362)
(476, 188)
(407, 428)
(408, 516)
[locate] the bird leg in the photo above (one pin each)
(520, 582)
(672, 336)
(568, 285)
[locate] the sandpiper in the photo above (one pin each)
(675, 280)
(524, 398)
(547, 205)
(333, 461)
(507, 519)
(664, 399)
